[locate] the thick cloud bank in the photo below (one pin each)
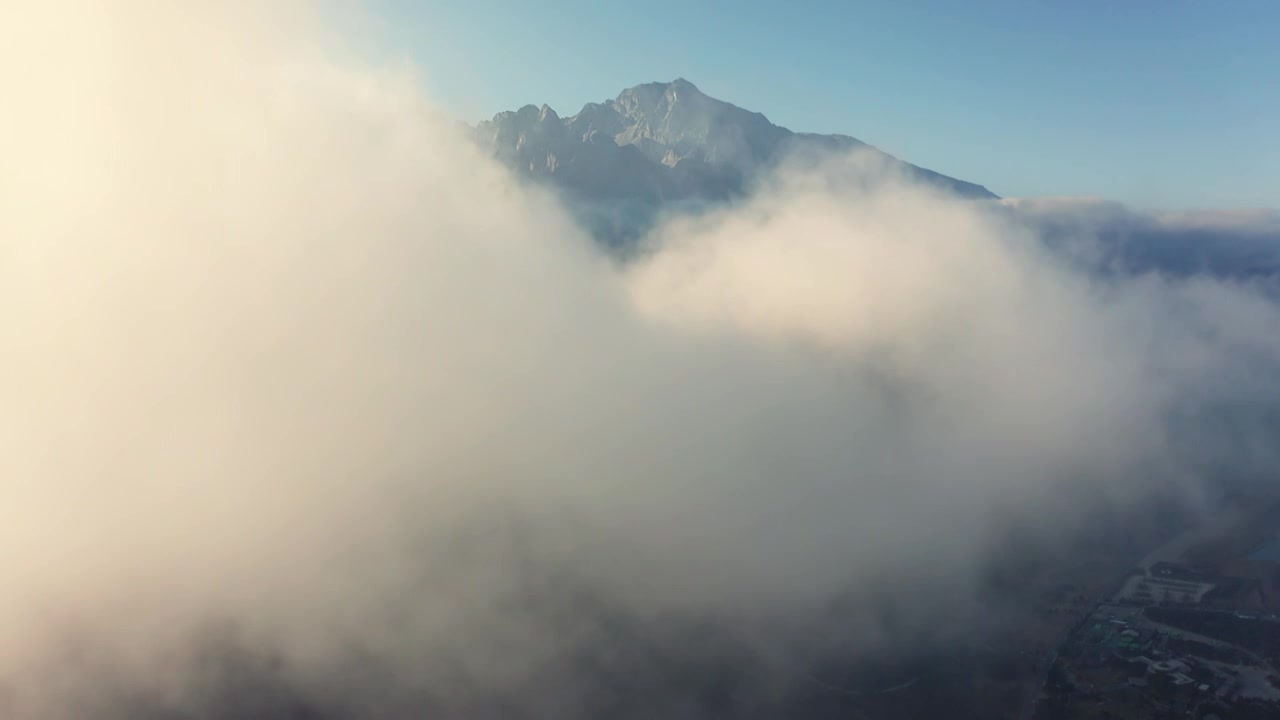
(311, 411)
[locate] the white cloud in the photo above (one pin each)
(281, 350)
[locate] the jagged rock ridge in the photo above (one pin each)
(659, 143)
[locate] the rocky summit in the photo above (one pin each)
(658, 143)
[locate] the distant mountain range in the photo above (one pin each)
(661, 143)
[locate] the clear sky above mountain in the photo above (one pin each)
(1171, 104)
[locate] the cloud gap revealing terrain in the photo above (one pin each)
(312, 408)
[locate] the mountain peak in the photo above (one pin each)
(663, 142)
(654, 91)
(683, 85)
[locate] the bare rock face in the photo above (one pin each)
(660, 143)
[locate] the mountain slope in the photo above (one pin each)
(659, 143)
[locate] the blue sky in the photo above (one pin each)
(1162, 104)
